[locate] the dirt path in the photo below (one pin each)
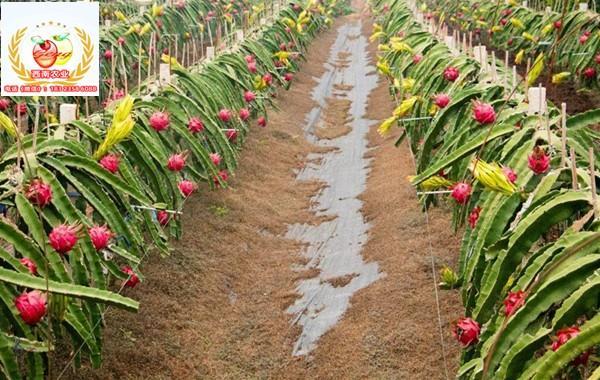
(355, 300)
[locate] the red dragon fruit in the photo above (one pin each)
(244, 114)
(63, 238)
(483, 113)
(474, 216)
(111, 162)
(29, 264)
(224, 115)
(513, 301)
(195, 125)
(108, 54)
(215, 158)
(231, 135)
(589, 72)
(441, 100)
(268, 78)
(100, 236)
(187, 187)
(262, 122)
(252, 67)
(583, 39)
(466, 331)
(177, 161)
(451, 74)
(288, 77)
(538, 161)
(159, 121)
(21, 109)
(222, 176)
(133, 278)
(417, 58)
(563, 336)
(461, 192)
(121, 41)
(4, 104)
(510, 174)
(31, 306)
(39, 193)
(249, 58)
(249, 96)
(163, 217)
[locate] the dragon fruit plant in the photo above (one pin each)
(87, 211)
(530, 254)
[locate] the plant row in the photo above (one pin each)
(530, 253)
(566, 42)
(85, 203)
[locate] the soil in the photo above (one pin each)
(577, 99)
(216, 307)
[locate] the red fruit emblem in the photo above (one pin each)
(44, 52)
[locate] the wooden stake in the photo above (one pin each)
(592, 159)
(563, 134)
(139, 64)
(574, 169)
(125, 82)
(527, 72)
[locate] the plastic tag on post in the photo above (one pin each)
(583, 7)
(164, 74)
(239, 35)
(68, 113)
(210, 52)
(537, 101)
(107, 23)
(263, 21)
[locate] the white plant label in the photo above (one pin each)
(210, 52)
(53, 51)
(164, 73)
